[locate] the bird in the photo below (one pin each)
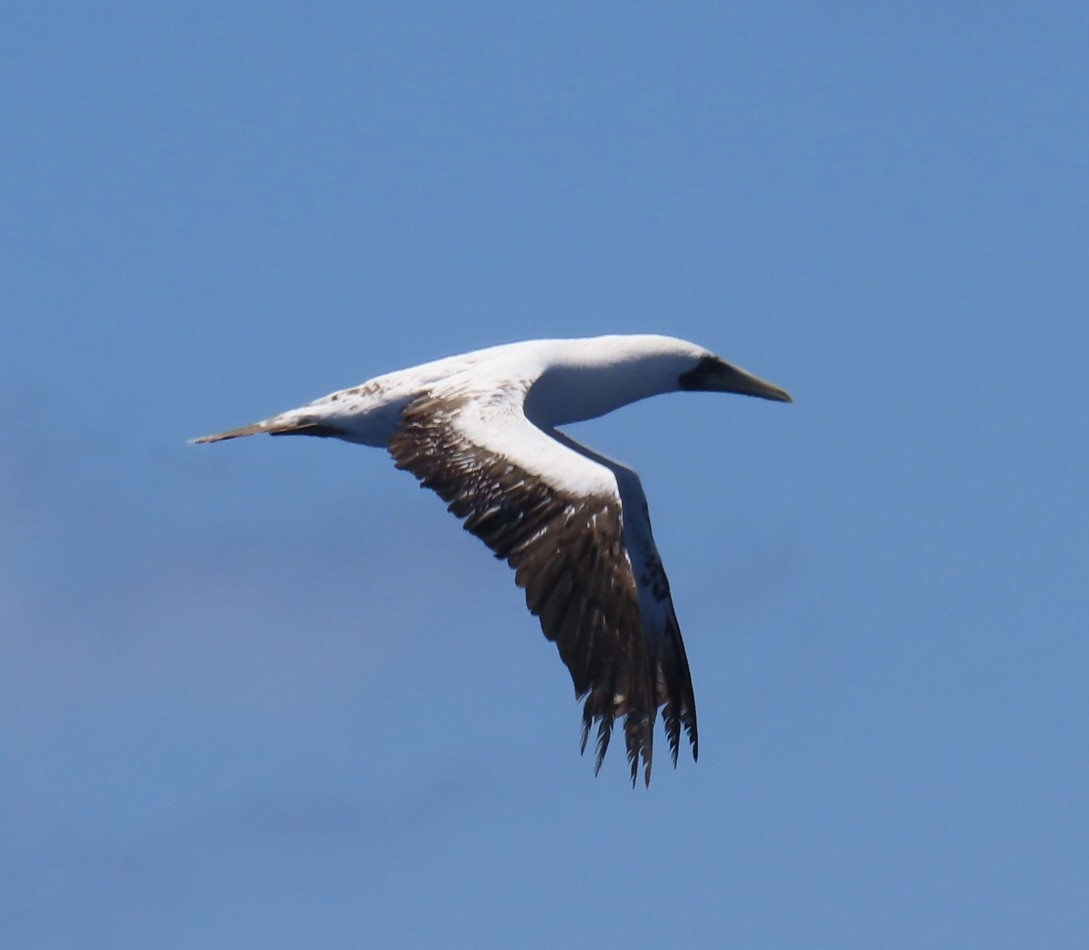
(481, 429)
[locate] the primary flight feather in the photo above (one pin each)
(480, 429)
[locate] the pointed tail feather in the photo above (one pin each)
(288, 423)
(233, 433)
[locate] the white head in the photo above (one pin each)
(590, 377)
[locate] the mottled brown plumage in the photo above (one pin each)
(569, 556)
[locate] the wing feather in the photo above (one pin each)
(665, 646)
(556, 516)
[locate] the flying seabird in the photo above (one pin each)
(480, 429)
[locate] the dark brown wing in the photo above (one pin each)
(556, 517)
(662, 633)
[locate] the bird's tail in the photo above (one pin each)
(295, 422)
(233, 433)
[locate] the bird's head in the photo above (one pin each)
(712, 374)
(590, 377)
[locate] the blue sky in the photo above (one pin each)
(268, 694)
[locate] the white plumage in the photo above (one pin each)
(480, 429)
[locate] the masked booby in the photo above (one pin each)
(480, 429)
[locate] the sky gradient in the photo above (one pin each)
(268, 694)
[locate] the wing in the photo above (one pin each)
(665, 647)
(557, 517)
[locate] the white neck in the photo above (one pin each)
(589, 378)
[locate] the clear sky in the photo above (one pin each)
(268, 694)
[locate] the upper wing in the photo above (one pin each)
(557, 516)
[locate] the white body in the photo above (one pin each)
(572, 380)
